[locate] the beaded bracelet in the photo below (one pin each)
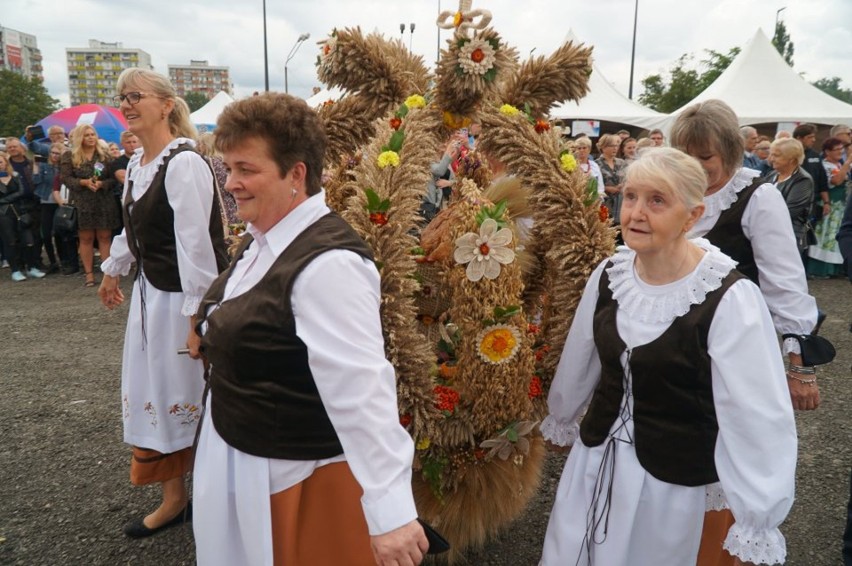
(803, 370)
(802, 381)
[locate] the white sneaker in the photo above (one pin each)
(35, 273)
(18, 276)
(4, 264)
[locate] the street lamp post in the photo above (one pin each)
(302, 38)
(777, 15)
(410, 37)
(633, 50)
(265, 53)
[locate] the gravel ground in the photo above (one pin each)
(64, 488)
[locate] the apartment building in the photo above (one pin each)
(199, 76)
(19, 52)
(93, 70)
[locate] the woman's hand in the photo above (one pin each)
(193, 340)
(110, 293)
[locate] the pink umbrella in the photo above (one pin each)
(107, 121)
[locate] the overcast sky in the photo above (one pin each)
(228, 32)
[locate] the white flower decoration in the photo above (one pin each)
(485, 252)
(476, 57)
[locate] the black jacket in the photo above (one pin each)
(10, 194)
(798, 193)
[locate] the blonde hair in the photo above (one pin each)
(58, 146)
(180, 125)
(607, 139)
(583, 141)
(77, 157)
(207, 145)
(672, 170)
(790, 148)
(9, 168)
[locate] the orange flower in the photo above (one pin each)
(326, 49)
(405, 420)
(395, 122)
(535, 387)
(447, 371)
(533, 328)
(541, 352)
(603, 213)
(447, 398)
(542, 126)
(477, 56)
(379, 218)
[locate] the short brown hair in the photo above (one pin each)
(710, 126)
(290, 128)
(804, 130)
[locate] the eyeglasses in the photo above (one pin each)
(132, 98)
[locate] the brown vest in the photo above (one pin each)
(265, 401)
(150, 229)
(728, 235)
(674, 417)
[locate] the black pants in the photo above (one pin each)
(847, 536)
(18, 243)
(49, 239)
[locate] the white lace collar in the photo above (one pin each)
(726, 196)
(664, 303)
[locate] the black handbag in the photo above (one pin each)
(65, 219)
(816, 350)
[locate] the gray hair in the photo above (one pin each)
(790, 148)
(710, 126)
(747, 131)
(671, 170)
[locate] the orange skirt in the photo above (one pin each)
(320, 522)
(716, 525)
(149, 466)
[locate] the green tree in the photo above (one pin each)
(195, 100)
(23, 101)
(781, 41)
(685, 80)
(832, 86)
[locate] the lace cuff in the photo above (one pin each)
(758, 546)
(714, 498)
(559, 433)
(791, 345)
(190, 305)
(112, 268)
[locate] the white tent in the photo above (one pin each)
(761, 87)
(205, 117)
(604, 102)
(317, 100)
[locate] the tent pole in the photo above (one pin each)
(633, 51)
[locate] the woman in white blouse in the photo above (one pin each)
(301, 458)
(631, 492)
(171, 233)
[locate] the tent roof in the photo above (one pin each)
(333, 93)
(209, 113)
(761, 87)
(604, 102)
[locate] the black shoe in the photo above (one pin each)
(70, 270)
(51, 269)
(135, 528)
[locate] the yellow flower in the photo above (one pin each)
(415, 101)
(455, 122)
(457, 19)
(423, 443)
(568, 162)
(388, 158)
(498, 343)
(509, 110)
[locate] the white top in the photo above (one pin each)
(755, 452)
(335, 301)
(766, 223)
(189, 185)
(594, 170)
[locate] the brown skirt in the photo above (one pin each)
(320, 522)
(149, 466)
(716, 525)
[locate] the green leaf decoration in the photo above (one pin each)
(496, 212)
(512, 434)
(501, 313)
(395, 143)
(373, 200)
(402, 112)
(591, 191)
(461, 42)
(494, 42)
(433, 469)
(379, 265)
(490, 74)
